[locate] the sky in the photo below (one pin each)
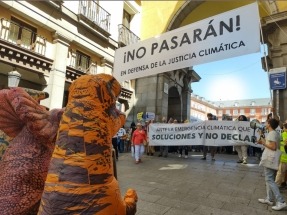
(233, 79)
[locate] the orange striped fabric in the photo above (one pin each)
(80, 178)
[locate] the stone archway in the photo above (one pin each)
(182, 13)
(276, 43)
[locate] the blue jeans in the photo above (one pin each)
(272, 189)
(121, 145)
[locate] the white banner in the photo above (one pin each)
(210, 133)
(226, 35)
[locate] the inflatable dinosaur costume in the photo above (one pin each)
(4, 138)
(25, 163)
(4, 142)
(80, 178)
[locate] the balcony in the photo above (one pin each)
(124, 97)
(23, 48)
(126, 36)
(80, 64)
(95, 16)
(22, 37)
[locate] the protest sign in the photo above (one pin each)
(209, 133)
(225, 35)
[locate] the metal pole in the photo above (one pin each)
(277, 104)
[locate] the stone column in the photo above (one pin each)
(106, 66)
(56, 80)
(274, 34)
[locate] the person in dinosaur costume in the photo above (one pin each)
(80, 178)
(24, 166)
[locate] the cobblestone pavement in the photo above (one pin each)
(179, 186)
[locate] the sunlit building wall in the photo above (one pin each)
(230, 109)
(52, 43)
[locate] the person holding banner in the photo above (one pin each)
(183, 148)
(138, 139)
(211, 148)
(242, 149)
(164, 149)
(150, 149)
(271, 144)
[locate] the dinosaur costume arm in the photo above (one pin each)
(9, 120)
(36, 118)
(25, 163)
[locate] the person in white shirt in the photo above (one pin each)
(122, 135)
(271, 144)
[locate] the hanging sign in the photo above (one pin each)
(277, 78)
(226, 35)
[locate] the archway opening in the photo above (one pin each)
(174, 104)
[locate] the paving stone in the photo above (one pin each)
(152, 207)
(205, 210)
(200, 187)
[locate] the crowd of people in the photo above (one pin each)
(135, 140)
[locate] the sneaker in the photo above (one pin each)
(239, 161)
(137, 162)
(244, 162)
(185, 156)
(265, 201)
(279, 206)
(179, 155)
(204, 158)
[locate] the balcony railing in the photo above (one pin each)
(95, 13)
(79, 64)
(126, 36)
(22, 37)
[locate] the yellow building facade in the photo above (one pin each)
(51, 43)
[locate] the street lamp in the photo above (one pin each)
(13, 78)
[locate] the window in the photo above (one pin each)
(235, 112)
(227, 112)
(252, 112)
(82, 61)
(242, 112)
(220, 113)
(21, 33)
(252, 103)
(236, 104)
(264, 111)
(126, 19)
